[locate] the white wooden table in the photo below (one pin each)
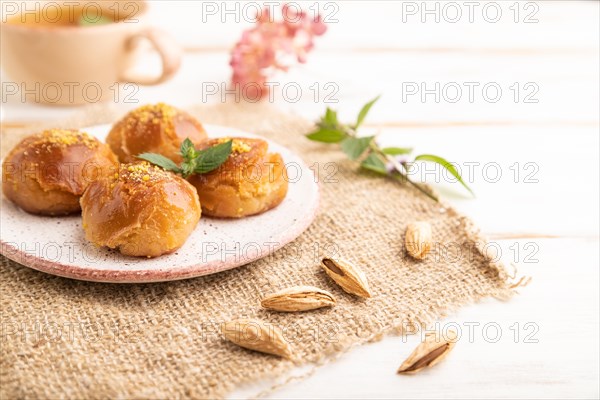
(542, 211)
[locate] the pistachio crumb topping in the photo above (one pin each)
(141, 172)
(237, 145)
(155, 114)
(61, 138)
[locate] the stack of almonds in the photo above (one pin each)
(260, 336)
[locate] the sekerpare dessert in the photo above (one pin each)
(142, 210)
(48, 172)
(154, 128)
(250, 181)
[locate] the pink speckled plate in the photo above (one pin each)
(56, 245)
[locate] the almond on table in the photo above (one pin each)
(418, 239)
(428, 353)
(298, 298)
(348, 276)
(257, 335)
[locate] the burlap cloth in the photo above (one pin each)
(63, 338)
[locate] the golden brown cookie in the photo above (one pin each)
(47, 173)
(251, 181)
(142, 210)
(154, 128)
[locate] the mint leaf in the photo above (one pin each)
(330, 117)
(364, 111)
(327, 136)
(355, 147)
(188, 167)
(211, 158)
(374, 163)
(444, 163)
(396, 151)
(190, 157)
(187, 149)
(198, 162)
(160, 160)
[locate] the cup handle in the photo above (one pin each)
(170, 53)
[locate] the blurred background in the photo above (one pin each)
(375, 47)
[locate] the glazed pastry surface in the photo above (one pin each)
(154, 128)
(250, 182)
(142, 211)
(47, 173)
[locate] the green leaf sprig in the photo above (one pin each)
(194, 161)
(371, 156)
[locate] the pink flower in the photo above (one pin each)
(269, 46)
